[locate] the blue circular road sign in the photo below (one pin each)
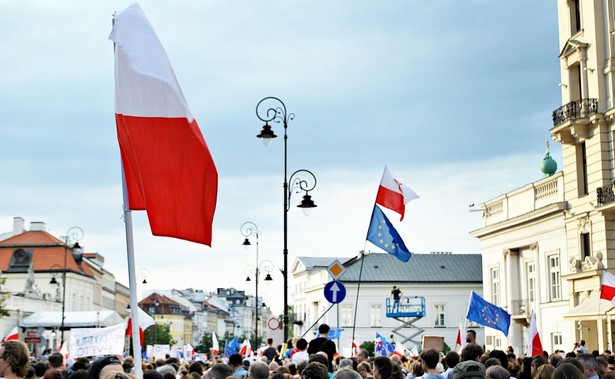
(335, 292)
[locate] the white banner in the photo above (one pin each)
(97, 341)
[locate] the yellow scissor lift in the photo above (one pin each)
(409, 310)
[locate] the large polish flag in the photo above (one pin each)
(12, 336)
(607, 287)
(393, 194)
(534, 346)
(168, 169)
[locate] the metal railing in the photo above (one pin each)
(575, 109)
(605, 194)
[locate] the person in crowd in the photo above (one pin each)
(221, 371)
(324, 344)
(315, 370)
(567, 370)
(383, 368)
(236, 363)
(259, 370)
(430, 358)
(451, 359)
(396, 294)
(362, 355)
(301, 354)
(40, 368)
(497, 372)
(14, 360)
(590, 364)
(365, 370)
(469, 369)
(471, 336)
(270, 352)
(346, 373)
(544, 372)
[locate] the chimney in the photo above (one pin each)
(18, 225)
(37, 226)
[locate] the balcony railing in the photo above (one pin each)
(519, 307)
(575, 109)
(605, 194)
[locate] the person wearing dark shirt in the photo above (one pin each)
(324, 344)
(396, 294)
(270, 352)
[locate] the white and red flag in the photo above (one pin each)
(534, 346)
(356, 348)
(393, 194)
(400, 349)
(214, 342)
(12, 336)
(607, 287)
(461, 335)
(145, 321)
(167, 167)
(246, 348)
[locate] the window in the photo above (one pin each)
(556, 339)
(375, 315)
(582, 185)
(585, 246)
(531, 282)
(438, 311)
(495, 286)
(346, 315)
(554, 278)
(575, 16)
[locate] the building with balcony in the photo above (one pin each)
(546, 245)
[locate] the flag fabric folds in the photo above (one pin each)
(12, 336)
(394, 195)
(246, 348)
(382, 347)
(534, 346)
(382, 234)
(607, 287)
(215, 344)
(461, 335)
(400, 349)
(356, 348)
(168, 170)
(232, 347)
(487, 314)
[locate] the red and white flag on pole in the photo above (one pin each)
(12, 336)
(393, 194)
(461, 335)
(607, 287)
(356, 348)
(214, 343)
(145, 321)
(534, 346)
(64, 351)
(167, 167)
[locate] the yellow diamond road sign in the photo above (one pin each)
(336, 269)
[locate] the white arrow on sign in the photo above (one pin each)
(334, 290)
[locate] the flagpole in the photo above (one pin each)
(356, 303)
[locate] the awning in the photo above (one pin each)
(592, 307)
(87, 319)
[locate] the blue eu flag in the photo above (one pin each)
(487, 314)
(382, 234)
(232, 347)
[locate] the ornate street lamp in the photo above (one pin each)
(248, 229)
(278, 114)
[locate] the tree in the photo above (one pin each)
(159, 334)
(369, 346)
(205, 343)
(4, 297)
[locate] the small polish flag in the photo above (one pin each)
(607, 287)
(355, 348)
(534, 346)
(400, 349)
(12, 336)
(394, 195)
(64, 351)
(246, 348)
(215, 344)
(461, 335)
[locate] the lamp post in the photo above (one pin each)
(278, 114)
(74, 233)
(248, 229)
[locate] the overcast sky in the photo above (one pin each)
(455, 97)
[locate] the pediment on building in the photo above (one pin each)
(572, 46)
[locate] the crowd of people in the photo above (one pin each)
(319, 359)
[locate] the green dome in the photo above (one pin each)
(548, 165)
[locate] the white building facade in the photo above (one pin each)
(445, 281)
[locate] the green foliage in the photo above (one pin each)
(159, 334)
(4, 297)
(446, 348)
(369, 346)
(205, 343)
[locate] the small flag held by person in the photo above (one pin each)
(214, 343)
(534, 346)
(487, 314)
